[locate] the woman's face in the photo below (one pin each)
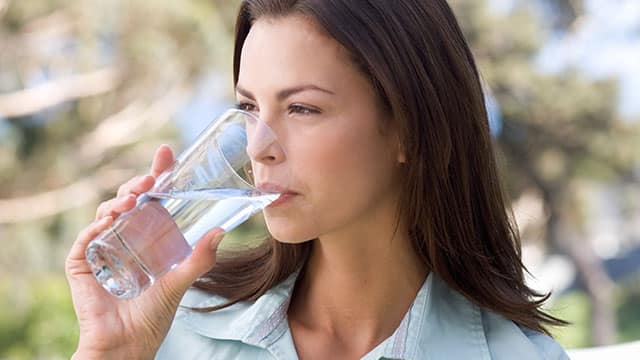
(337, 165)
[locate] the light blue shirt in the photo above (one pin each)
(440, 324)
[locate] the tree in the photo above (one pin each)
(87, 83)
(88, 89)
(559, 131)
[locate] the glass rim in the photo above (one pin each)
(243, 112)
(226, 161)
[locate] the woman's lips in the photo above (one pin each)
(284, 197)
(285, 194)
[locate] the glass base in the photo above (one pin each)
(116, 269)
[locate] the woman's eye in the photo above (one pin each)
(246, 106)
(302, 110)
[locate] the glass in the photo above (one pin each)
(209, 185)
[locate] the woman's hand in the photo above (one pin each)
(130, 329)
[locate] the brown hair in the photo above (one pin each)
(417, 59)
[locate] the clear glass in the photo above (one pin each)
(210, 185)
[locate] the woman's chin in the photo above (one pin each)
(289, 233)
(291, 241)
(289, 238)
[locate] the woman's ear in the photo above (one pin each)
(401, 157)
(396, 141)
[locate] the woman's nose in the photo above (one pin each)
(263, 145)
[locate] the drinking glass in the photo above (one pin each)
(209, 185)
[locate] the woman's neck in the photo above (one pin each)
(358, 283)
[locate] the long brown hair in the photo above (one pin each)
(417, 59)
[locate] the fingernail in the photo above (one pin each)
(216, 240)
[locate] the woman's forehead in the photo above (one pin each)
(292, 42)
(293, 49)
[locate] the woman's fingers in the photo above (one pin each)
(125, 201)
(136, 186)
(176, 282)
(162, 160)
(75, 258)
(115, 207)
(126, 196)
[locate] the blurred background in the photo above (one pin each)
(89, 89)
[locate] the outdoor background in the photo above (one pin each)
(89, 89)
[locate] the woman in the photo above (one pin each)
(393, 241)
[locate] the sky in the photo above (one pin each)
(606, 43)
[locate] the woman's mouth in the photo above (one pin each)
(284, 198)
(285, 194)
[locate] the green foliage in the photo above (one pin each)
(37, 318)
(629, 311)
(573, 307)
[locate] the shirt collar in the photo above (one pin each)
(250, 322)
(439, 321)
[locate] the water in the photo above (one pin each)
(161, 231)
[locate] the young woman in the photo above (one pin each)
(393, 241)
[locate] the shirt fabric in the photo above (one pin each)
(440, 324)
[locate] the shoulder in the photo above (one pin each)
(455, 325)
(548, 348)
(504, 336)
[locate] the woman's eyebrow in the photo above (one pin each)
(285, 93)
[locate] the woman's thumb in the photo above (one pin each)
(201, 260)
